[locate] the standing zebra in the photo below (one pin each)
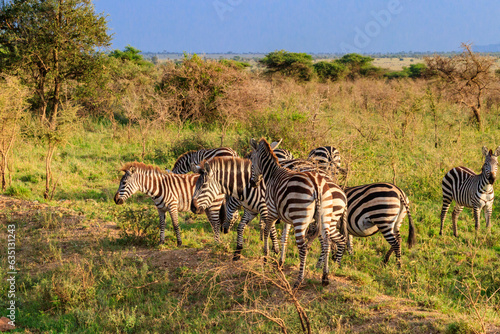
(183, 163)
(379, 207)
(230, 176)
(170, 192)
(297, 198)
(327, 157)
(470, 190)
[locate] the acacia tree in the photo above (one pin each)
(12, 104)
(466, 78)
(51, 43)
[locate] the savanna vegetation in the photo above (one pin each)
(72, 114)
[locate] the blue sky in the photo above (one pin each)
(208, 26)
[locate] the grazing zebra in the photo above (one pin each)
(379, 207)
(183, 163)
(282, 154)
(230, 176)
(470, 190)
(297, 198)
(327, 157)
(170, 192)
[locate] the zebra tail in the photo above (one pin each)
(222, 216)
(317, 218)
(412, 238)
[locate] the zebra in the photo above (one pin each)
(470, 190)
(297, 198)
(327, 158)
(183, 163)
(170, 192)
(230, 175)
(379, 207)
(282, 154)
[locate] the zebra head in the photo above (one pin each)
(128, 185)
(490, 166)
(207, 188)
(260, 150)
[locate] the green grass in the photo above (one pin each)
(87, 265)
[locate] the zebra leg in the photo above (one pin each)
(454, 218)
(487, 215)
(349, 245)
(444, 211)
(247, 217)
(213, 218)
(274, 239)
(302, 245)
(284, 240)
(395, 242)
(162, 226)
(477, 217)
(325, 248)
(267, 231)
(175, 222)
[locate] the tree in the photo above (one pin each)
(330, 70)
(12, 107)
(130, 54)
(298, 65)
(50, 43)
(465, 77)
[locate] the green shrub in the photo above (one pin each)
(330, 70)
(296, 65)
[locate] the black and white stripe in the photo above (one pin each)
(183, 163)
(379, 207)
(470, 190)
(297, 199)
(327, 157)
(170, 192)
(230, 176)
(282, 154)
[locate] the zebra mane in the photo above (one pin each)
(142, 166)
(186, 154)
(268, 148)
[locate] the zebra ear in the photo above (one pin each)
(253, 143)
(275, 144)
(497, 152)
(485, 151)
(195, 168)
(132, 169)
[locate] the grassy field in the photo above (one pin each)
(86, 265)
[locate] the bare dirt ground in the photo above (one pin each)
(76, 231)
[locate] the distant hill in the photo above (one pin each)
(486, 48)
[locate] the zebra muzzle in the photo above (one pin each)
(118, 199)
(195, 208)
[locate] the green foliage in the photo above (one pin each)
(18, 190)
(330, 70)
(297, 65)
(240, 65)
(130, 54)
(413, 71)
(139, 226)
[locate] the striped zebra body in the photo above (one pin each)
(283, 154)
(230, 176)
(470, 190)
(327, 157)
(170, 192)
(297, 199)
(183, 163)
(379, 207)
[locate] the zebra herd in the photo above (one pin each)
(300, 193)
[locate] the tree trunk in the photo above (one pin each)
(48, 168)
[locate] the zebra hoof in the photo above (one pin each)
(325, 281)
(236, 257)
(161, 242)
(297, 284)
(179, 243)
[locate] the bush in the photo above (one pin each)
(296, 65)
(330, 70)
